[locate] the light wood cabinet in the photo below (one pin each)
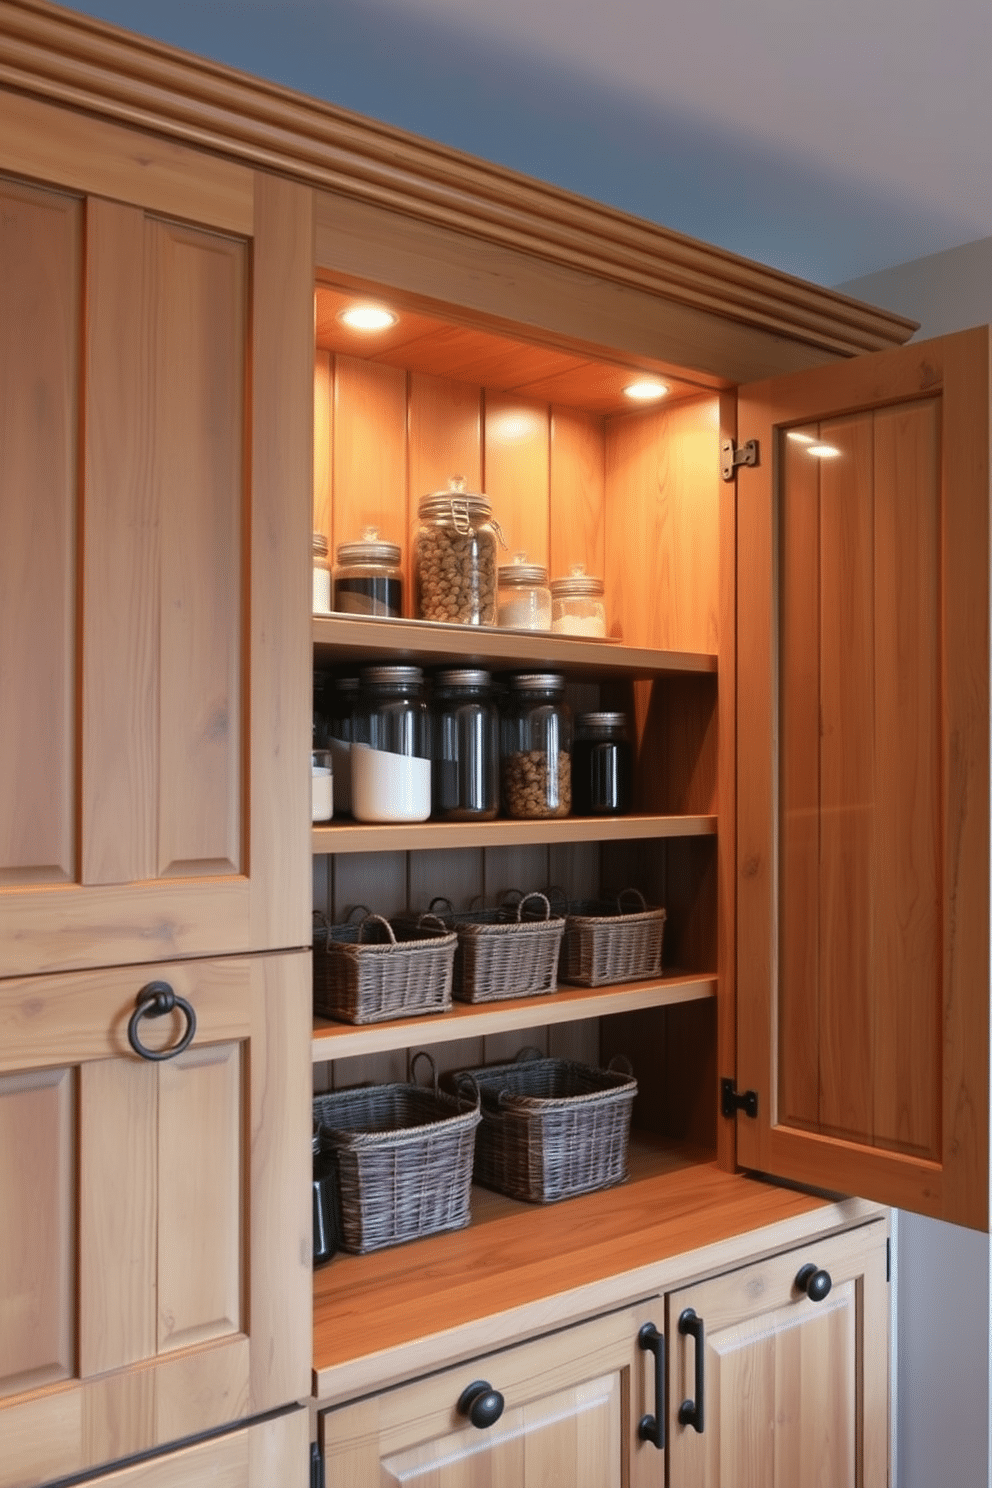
(772, 1385)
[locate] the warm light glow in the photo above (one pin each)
(645, 391)
(823, 451)
(798, 438)
(368, 318)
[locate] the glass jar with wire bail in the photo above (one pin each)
(536, 754)
(465, 784)
(390, 749)
(455, 556)
(367, 577)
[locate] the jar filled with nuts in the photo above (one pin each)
(536, 764)
(455, 556)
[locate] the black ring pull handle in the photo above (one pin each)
(154, 1001)
(652, 1428)
(481, 1403)
(691, 1411)
(814, 1282)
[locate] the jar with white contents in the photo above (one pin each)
(391, 773)
(524, 599)
(577, 606)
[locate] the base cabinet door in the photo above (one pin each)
(571, 1406)
(779, 1371)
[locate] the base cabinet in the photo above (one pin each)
(791, 1385)
(572, 1402)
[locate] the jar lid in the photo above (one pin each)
(409, 675)
(319, 545)
(537, 681)
(601, 723)
(521, 574)
(347, 684)
(461, 505)
(463, 677)
(576, 582)
(370, 548)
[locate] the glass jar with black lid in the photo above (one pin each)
(602, 765)
(465, 748)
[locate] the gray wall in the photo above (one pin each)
(942, 1273)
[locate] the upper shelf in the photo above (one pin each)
(346, 639)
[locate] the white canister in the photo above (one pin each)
(387, 787)
(321, 786)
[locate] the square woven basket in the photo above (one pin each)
(404, 1157)
(511, 951)
(612, 941)
(406, 971)
(550, 1128)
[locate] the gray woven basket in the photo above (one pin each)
(612, 941)
(404, 1159)
(550, 1128)
(504, 952)
(406, 972)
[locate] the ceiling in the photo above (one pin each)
(830, 141)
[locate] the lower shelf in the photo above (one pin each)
(416, 1306)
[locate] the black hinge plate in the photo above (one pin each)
(731, 1102)
(731, 456)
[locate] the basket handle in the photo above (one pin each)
(528, 1052)
(356, 909)
(445, 906)
(378, 920)
(423, 1054)
(641, 903)
(431, 922)
(556, 895)
(536, 894)
(464, 1077)
(620, 1065)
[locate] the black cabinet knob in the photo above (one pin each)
(814, 1282)
(481, 1403)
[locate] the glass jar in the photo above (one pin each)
(465, 747)
(321, 786)
(536, 764)
(602, 765)
(340, 731)
(390, 750)
(455, 556)
(523, 596)
(321, 575)
(367, 577)
(325, 1228)
(577, 606)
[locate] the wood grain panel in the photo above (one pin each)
(445, 440)
(200, 378)
(370, 475)
(118, 1259)
(201, 1389)
(41, 1439)
(577, 484)
(799, 781)
(663, 537)
(847, 777)
(201, 1118)
(323, 444)
(118, 1415)
(40, 296)
(516, 473)
(38, 1158)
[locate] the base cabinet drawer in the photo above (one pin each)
(779, 1370)
(564, 1408)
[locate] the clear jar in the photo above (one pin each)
(465, 747)
(325, 1225)
(523, 596)
(536, 763)
(602, 765)
(391, 772)
(321, 785)
(340, 730)
(577, 606)
(367, 577)
(455, 557)
(321, 575)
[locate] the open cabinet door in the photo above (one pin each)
(863, 778)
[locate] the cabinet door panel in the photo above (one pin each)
(863, 792)
(156, 1277)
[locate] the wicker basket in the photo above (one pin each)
(511, 951)
(404, 1160)
(358, 980)
(618, 941)
(550, 1128)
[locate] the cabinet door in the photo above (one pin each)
(791, 1391)
(155, 419)
(863, 778)
(573, 1402)
(154, 1235)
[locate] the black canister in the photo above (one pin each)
(465, 747)
(325, 1229)
(602, 765)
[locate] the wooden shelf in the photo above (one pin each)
(516, 1263)
(477, 1020)
(362, 837)
(346, 640)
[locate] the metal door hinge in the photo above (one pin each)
(731, 456)
(731, 1102)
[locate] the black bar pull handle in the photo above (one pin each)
(691, 1411)
(652, 1428)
